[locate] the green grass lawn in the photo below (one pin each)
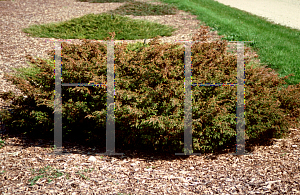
(98, 26)
(277, 46)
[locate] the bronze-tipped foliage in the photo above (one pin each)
(149, 97)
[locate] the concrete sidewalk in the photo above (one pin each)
(283, 12)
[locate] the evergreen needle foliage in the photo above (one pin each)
(149, 99)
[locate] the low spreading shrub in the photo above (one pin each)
(149, 97)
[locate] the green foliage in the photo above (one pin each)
(149, 97)
(98, 26)
(2, 142)
(51, 174)
(144, 9)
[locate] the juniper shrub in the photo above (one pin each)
(149, 97)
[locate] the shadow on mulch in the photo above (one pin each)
(72, 147)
